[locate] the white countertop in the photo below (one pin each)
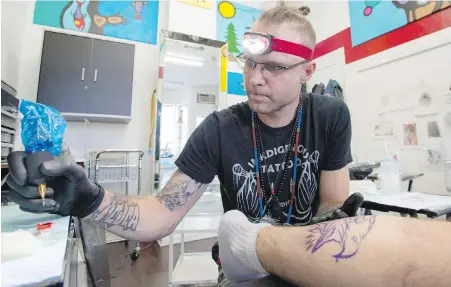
(43, 266)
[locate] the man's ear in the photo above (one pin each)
(309, 69)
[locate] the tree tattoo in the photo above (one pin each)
(347, 233)
(119, 212)
(178, 190)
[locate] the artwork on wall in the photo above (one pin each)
(433, 129)
(235, 85)
(410, 134)
(232, 21)
(434, 157)
(131, 20)
(383, 130)
(370, 19)
(199, 3)
(223, 69)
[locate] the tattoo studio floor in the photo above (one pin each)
(151, 268)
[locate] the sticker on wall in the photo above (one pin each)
(198, 3)
(370, 19)
(384, 104)
(232, 21)
(433, 129)
(425, 105)
(401, 100)
(410, 134)
(235, 84)
(131, 20)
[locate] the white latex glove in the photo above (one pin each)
(237, 239)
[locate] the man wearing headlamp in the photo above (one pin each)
(281, 157)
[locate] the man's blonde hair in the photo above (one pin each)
(286, 14)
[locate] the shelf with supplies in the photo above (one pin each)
(10, 118)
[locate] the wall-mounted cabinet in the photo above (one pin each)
(86, 78)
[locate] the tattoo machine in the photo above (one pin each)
(32, 163)
(42, 134)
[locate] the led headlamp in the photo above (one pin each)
(262, 44)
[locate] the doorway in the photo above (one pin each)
(188, 91)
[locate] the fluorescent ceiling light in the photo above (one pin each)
(183, 61)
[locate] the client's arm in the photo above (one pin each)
(359, 251)
(148, 218)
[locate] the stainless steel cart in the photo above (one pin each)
(117, 166)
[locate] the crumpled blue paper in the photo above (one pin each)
(43, 128)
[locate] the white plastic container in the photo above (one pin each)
(389, 174)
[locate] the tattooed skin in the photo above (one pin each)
(347, 233)
(178, 190)
(121, 213)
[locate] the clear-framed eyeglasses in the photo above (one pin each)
(249, 65)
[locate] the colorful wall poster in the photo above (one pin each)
(235, 84)
(223, 69)
(199, 3)
(232, 21)
(130, 20)
(370, 19)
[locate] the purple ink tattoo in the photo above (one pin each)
(348, 233)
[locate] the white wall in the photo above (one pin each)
(23, 40)
(328, 17)
(13, 25)
(402, 72)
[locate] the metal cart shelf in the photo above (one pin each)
(115, 166)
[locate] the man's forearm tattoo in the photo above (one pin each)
(118, 212)
(347, 233)
(178, 190)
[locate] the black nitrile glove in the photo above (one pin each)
(348, 209)
(69, 191)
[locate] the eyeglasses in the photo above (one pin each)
(247, 64)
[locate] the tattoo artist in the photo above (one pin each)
(281, 157)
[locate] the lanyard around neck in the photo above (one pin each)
(295, 156)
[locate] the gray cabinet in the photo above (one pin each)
(86, 78)
(112, 67)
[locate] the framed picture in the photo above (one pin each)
(206, 99)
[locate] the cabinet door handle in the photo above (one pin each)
(95, 75)
(83, 74)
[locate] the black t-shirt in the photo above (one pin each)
(222, 145)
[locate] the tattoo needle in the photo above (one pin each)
(32, 163)
(42, 188)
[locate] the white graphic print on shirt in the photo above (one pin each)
(245, 181)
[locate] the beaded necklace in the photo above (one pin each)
(272, 199)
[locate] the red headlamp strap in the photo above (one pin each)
(286, 47)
